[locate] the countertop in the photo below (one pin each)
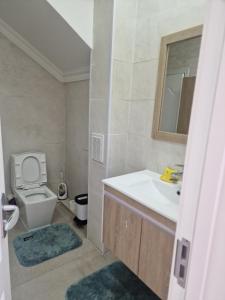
(146, 188)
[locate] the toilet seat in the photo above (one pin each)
(29, 170)
(35, 195)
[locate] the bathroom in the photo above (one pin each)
(82, 82)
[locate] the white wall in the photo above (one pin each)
(124, 26)
(79, 15)
(99, 108)
(32, 109)
(77, 114)
(138, 28)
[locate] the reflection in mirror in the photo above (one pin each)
(179, 85)
(178, 64)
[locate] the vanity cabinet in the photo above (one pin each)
(156, 250)
(122, 233)
(142, 239)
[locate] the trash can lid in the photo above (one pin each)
(81, 199)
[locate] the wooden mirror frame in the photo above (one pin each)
(163, 59)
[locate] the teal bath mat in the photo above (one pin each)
(39, 245)
(114, 282)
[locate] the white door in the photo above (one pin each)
(207, 263)
(203, 182)
(5, 290)
(6, 223)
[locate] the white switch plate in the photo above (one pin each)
(97, 143)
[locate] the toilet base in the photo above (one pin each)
(36, 206)
(31, 222)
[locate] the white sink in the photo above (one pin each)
(146, 188)
(169, 191)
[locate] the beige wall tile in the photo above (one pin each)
(136, 152)
(77, 120)
(55, 160)
(119, 113)
(99, 104)
(99, 82)
(101, 53)
(121, 79)
(98, 116)
(147, 43)
(144, 79)
(124, 30)
(76, 171)
(125, 8)
(94, 233)
(175, 20)
(97, 172)
(146, 7)
(141, 117)
(117, 154)
(21, 76)
(161, 154)
(96, 204)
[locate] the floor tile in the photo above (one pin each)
(50, 279)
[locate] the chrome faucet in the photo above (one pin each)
(176, 176)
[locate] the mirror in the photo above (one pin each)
(177, 71)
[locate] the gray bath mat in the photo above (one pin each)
(114, 282)
(39, 245)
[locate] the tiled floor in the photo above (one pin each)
(49, 280)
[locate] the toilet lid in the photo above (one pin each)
(30, 170)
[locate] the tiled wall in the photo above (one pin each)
(121, 106)
(125, 15)
(32, 109)
(77, 114)
(138, 28)
(98, 111)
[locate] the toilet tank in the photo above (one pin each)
(28, 170)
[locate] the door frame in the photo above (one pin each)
(5, 284)
(199, 217)
(207, 265)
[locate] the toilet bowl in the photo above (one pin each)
(28, 181)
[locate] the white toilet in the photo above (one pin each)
(28, 180)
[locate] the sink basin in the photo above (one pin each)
(169, 191)
(163, 192)
(146, 188)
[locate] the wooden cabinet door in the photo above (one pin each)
(111, 211)
(155, 258)
(122, 233)
(128, 238)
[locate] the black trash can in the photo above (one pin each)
(81, 205)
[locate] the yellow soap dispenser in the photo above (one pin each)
(168, 175)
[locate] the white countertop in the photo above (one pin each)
(146, 188)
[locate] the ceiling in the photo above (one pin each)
(36, 24)
(79, 15)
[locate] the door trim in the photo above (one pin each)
(198, 143)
